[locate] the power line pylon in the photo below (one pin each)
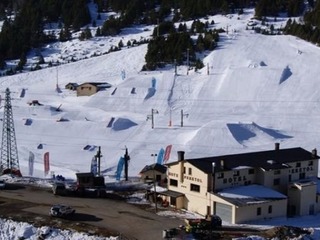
(9, 150)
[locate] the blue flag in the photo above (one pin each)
(119, 168)
(160, 156)
(94, 166)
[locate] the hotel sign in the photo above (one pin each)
(190, 178)
(235, 179)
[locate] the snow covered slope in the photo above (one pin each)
(259, 90)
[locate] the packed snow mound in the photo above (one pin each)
(123, 124)
(244, 131)
(21, 230)
(286, 74)
(151, 93)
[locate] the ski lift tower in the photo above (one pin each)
(9, 150)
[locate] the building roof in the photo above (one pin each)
(267, 160)
(98, 84)
(72, 84)
(156, 166)
(251, 194)
(171, 193)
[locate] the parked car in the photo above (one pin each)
(2, 184)
(60, 210)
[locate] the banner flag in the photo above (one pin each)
(167, 153)
(46, 163)
(119, 168)
(160, 156)
(94, 166)
(31, 162)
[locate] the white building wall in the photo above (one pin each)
(200, 200)
(193, 183)
(308, 169)
(303, 197)
(237, 177)
(250, 212)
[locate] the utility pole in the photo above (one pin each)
(98, 157)
(182, 116)
(9, 150)
(126, 163)
(151, 116)
(154, 155)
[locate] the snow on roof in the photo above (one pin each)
(241, 167)
(251, 191)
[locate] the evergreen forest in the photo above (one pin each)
(26, 23)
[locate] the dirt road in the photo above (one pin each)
(92, 214)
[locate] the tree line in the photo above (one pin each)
(25, 22)
(309, 28)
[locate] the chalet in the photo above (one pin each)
(246, 187)
(155, 172)
(72, 86)
(90, 88)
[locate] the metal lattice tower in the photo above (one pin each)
(9, 150)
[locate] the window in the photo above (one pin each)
(173, 201)
(298, 164)
(220, 175)
(258, 211)
(184, 170)
(277, 172)
(235, 173)
(251, 171)
(270, 209)
(190, 171)
(310, 163)
(158, 177)
(276, 181)
(194, 187)
(302, 175)
(173, 182)
(290, 178)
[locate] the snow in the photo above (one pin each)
(260, 90)
(250, 191)
(11, 230)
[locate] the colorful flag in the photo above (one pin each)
(46, 163)
(167, 153)
(94, 166)
(160, 156)
(31, 162)
(119, 168)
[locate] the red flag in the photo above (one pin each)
(167, 153)
(46, 163)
